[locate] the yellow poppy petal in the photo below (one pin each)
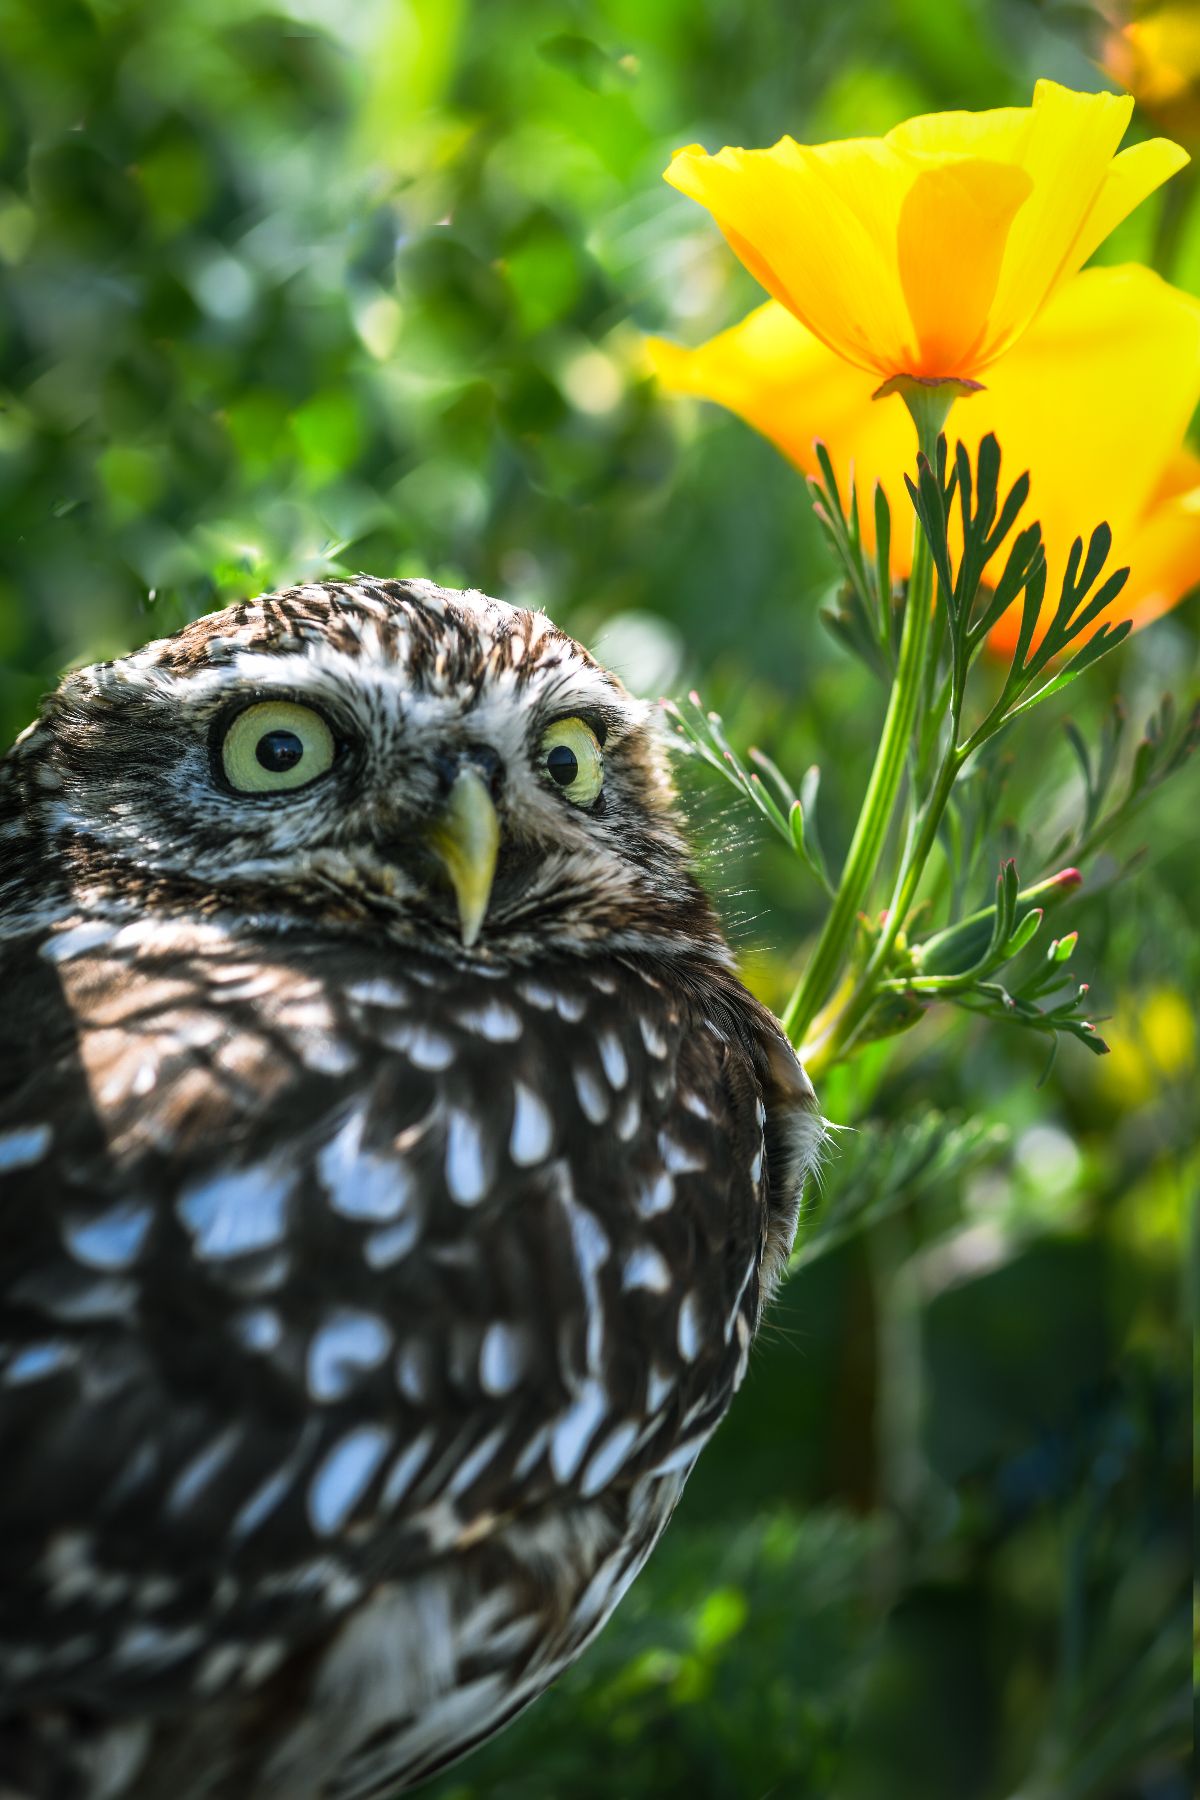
(1129, 179)
(953, 232)
(815, 232)
(930, 251)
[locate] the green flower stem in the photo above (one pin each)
(929, 407)
(845, 1027)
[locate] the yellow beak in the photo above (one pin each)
(466, 840)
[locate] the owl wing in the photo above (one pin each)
(317, 1270)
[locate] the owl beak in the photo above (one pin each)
(466, 839)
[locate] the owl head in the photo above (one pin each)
(381, 755)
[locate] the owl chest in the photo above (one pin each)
(418, 1196)
(553, 1165)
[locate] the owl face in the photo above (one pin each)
(439, 765)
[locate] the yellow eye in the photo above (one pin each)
(274, 746)
(571, 758)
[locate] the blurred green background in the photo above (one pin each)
(360, 284)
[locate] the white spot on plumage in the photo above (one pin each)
(111, 1240)
(359, 1184)
(476, 1461)
(234, 1214)
(735, 1309)
(152, 1646)
(537, 994)
(646, 1268)
(21, 1148)
(207, 1463)
(593, 1099)
(495, 1021)
(569, 1007)
(574, 1430)
(377, 990)
(659, 1386)
(218, 1670)
(466, 1170)
(407, 1467)
(76, 939)
(699, 1108)
(259, 1329)
(532, 1453)
(613, 1058)
(677, 1158)
(756, 1167)
(414, 1373)
(262, 1661)
(391, 1243)
(629, 1117)
(683, 1455)
(532, 1134)
(274, 1490)
(743, 1338)
(656, 1195)
(608, 1459)
(344, 1476)
(349, 1345)
(688, 1330)
(324, 1053)
(589, 1242)
(35, 1361)
(502, 1358)
(652, 1037)
(424, 1047)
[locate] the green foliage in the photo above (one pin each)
(296, 288)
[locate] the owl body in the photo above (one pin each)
(376, 1259)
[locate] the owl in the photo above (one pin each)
(394, 1172)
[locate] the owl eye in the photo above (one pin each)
(572, 759)
(276, 745)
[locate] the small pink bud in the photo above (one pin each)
(1067, 879)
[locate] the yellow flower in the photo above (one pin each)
(1094, 402)
(930, 251)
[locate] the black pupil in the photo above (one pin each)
(562, 765)
(279, 751)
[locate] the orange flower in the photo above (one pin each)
(1094, 402)
(930, 251)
